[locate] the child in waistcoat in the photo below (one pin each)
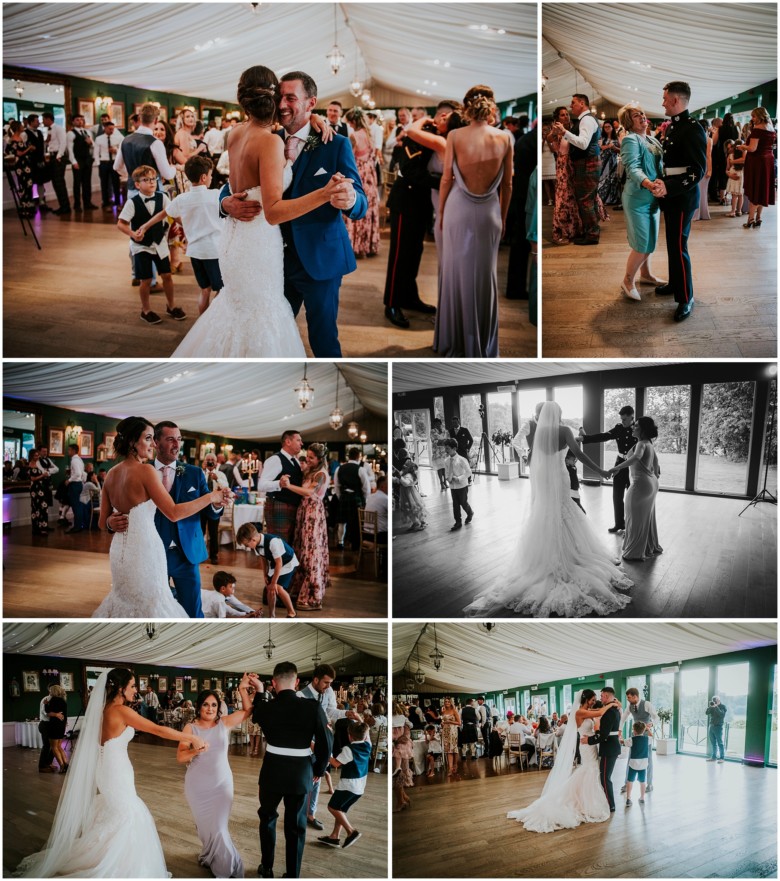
(638, 761)
(281, 560)
(353, 761)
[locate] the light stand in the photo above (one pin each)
(16, 192)
(764, 495)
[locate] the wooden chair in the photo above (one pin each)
(368, 537)
(380, 749)
(547, 751)
(226, 525)
(515, 742)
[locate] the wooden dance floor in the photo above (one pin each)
(86, 258)
(30, 799)
(702, 820)
(735, 286)
(69, 575)
(714, 565)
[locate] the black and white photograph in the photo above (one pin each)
(572, 489)
(585, 749)
(232, 490)
(114, 779)
(659, 142)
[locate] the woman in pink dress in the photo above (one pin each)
(364, 234)
(759, 166)
(312, 577)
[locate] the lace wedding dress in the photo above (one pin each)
(560, 566)
(139, 572)
(576, 799)
(250, 318)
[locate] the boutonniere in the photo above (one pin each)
(179, 470)
(312, 142)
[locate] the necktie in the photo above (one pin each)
(108, 142)
(291, 148)
(210, 480)
(167, 477)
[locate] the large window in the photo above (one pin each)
(415, 427)
(770, 444)
(438, 410)
(527, 399)
(570, 399)
(567, 696)
(773, 721)
(470, 418)
(662, 697)
(670, 407)
(614, 401)
(732, 689)
(694, 699)
(499, 416)
(724, 437)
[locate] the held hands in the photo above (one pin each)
(255, 682)
(583, 738)
(340, 191)
(198, 745)
(240, 209)
(284, 481)
(658, 188)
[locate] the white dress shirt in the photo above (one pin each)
(78, 473)
(222, 481)
(51, 468)
(649, 708)
(377, 135)
(199, 213)
(102, 152)
(238, 476)
(327, 700)
(377, 502)
(215, 605)
(214, 140)
(160, 248)
(457, 471)
(158, 154)
(57, 141)
(272, 470)
(588, 126)
(70, 139)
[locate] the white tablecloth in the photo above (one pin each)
(420, 748)
(245, 514)
(27, 734)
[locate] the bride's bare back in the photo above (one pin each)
(480, 151)
(250, 146)
(126, 485)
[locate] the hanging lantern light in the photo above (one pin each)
(363, 437)
(436, 656)
(304, 391)
(317, 657)
(419, 676)
(335, 58)
(336, 418)
(151, 631)
(269, 646)
(353, 430)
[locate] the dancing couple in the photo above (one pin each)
(284, 243)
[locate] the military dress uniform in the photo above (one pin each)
(620, 480)
(685, 164)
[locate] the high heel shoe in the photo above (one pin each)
(756, 223)
(651, 279)
(632, 293)
(749, 225)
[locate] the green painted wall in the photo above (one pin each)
(764, 95)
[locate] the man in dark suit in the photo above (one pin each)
(520, 247)
(334, 111)
(608, 740)
(290, 724)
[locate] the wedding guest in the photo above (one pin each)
(333, 112)
(566, 224)
(210, 526)
(726, 131)
(639, 756)
(459, 477)
(734, 173)
(90, 497)
(548, 169)
(19, 155)
(107, 146)
(312, 577)
(523, 234)
(402, 743)
(477, 166)
(222, 602)
(56, 154)
(281, 561)
(57, 710)
(450, 723)
(640, 711)
(80, 144)
(544, 738)
(39, 506)
(439, 437)
(703, 211)
(364, 233)
(208, 783)
(609, 185)
(151, 703)
(433, 743)
(468, 733)
(75, 484)
(172, 187)
(462, 436)
(186, 143)
(395, 139)
(352, 488)
(40, 176)
(353, 760)
(377, 503)
(281, 505)
(214, 139)
(716, 713)
(759, 166)
(411, 508)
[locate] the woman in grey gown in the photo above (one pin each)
(208, 785)
(641, 536)
(473, 202)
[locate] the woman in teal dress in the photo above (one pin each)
(641, 156)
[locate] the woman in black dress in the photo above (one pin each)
(57, 709)
(39, 506)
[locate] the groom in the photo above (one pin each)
(185, 548)
(317, 248)
(608, 740)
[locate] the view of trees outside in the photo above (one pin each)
(771, 481)
(470, 418)
(415, 427)
(670, 407)
(662, 695)
(567, 698)
(724, 436)
(438, 411)
(570, 400)
(614, 400)
(499, 415)
(694, 700)
(732, 689)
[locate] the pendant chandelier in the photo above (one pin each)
(352, 429)
(269, 646)
(336, 418)
(342, 665)
(356, 86)
(419, 676)
(436, 656)
(304, 391)
(335, 58)
(317, 657)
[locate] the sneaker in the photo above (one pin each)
(649, 788)
(720, 761)
(150, 317)
(623, 788)
(176, 313)
(641, 801)
(331, 842)
(351, 839)
(628, 802)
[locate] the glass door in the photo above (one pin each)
(527, 399)
(772, 724)
(662, 698)
(732, 689)
(694, 700)
(415, 428)
(499, 416)
(471, 418)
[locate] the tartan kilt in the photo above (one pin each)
(348, 507)
(280, 519)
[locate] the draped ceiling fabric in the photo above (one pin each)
(201, 48)
(234, 646)
(627, 52)
(413, 377)
(231, 399)
(520, 654)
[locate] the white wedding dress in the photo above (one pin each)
(560, 566)
(139, 572)
(250, 318)
(577, 799)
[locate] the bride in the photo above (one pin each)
(560, 567)
(251, 317)
(139, 570)
(101, 828)
(572, 793)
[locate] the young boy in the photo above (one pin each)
(142, 220)
(574, 481)
(199, 213)
(637, 761)
(282, 563)
(434, 748)
(353, 761)
(458, 474)
(222, 601)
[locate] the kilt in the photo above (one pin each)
(348, 506)
(280, 519)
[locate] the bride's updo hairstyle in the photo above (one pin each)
(257, 93)
(479, 104)
(127, 433)
(116, 682)
(586, 695)
(320, 451)
(648, 427)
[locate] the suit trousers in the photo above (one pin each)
(606, 767)
(294, 828)
(109, 183)
(57, 167)
(321, 299)
(314, 797)
(407, 241)
(678, 214)
(186, 580)
(211, 528)
(82, 185)
(81, 512)
(460, 499)
(621, 481)
(47, 756)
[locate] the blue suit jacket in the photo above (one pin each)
(187, 533)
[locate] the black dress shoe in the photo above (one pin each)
(469, 518)
(663, 290)
(265, 873)
(684, 310)
(396, 316)
(585, 240)
(456, 527)
(616, 529)
(61, 211)
(90, 207)
(419, 306)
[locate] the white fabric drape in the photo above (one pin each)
(519, 653)
(231, 399)
(627, 52)
(201, 48)
(233, 646)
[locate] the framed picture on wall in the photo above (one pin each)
(163, 113)
(66, 681)
(117, 113)
(206, 684)
(108, 442)
(31, 681)
(56, 441)
(102, 105)
(194, 685)
(217, 685)
(180, 684)
(86, 444)
(137, 108)
(87, 110)
(162, 684)
(143, 683)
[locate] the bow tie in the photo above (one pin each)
(149, 199)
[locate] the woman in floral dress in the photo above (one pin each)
(364, 234)
(450, 723)
(312, 577)
(439, 435)
(39, 507)
(18, 156)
